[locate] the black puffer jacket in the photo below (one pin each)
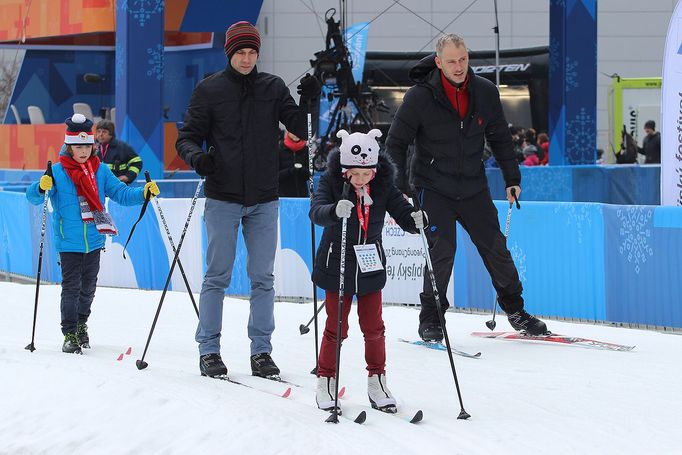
(239, 116)
(293, 171)
(386, 197)
(448, 149)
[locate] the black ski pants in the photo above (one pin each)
(478, 216)
(79, 282)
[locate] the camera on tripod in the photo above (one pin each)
(334, 70)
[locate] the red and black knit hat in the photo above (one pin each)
(78, 130)
(241, 35)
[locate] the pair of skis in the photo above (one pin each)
(359, 419)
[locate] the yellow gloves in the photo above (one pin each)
(45, 183)
(150, 187)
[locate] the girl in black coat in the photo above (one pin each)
(373, 193)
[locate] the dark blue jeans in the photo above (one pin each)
(79, 281)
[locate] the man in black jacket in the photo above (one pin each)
(651, 144)
(237, 113)
(118, 155)
(449, 114)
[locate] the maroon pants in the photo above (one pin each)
(371, 324)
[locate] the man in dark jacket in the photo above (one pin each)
(294, 169)
(651, 144)
(449, 114)
(237, 113)
(118, 155)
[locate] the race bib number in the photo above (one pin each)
(368, 258)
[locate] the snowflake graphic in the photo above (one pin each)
(519, 258)
(571, 74)
(142, 10)
(635, 232)
(547, 184)
(581, 134)
(554, 50)
(155, 62)
(292, 211)
(576, 214)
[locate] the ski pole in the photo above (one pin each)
(334, 417)
(141, 364)
(139, 218)
(172, 244)
(311, 187)
(491, 323)
(31, 346)
(305, 328)
(462, 414)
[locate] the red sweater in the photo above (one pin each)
(459, 97)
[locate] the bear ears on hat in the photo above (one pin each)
(374, 133)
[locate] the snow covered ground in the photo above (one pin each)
(523, 398)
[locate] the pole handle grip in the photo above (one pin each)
(147, 177)
(513, 193)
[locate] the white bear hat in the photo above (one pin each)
(359, 150)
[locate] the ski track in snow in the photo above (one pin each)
(523, 398)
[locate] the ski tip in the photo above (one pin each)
(141, 364)
(360, 419)
(129, 351)
(286, 393)
(418, 416)
(342, 392)
(120, 357)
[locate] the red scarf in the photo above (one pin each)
(293, 146)
(459, 97)
(83, 176)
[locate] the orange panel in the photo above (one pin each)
(171, 160)
(54, 18)
(30, 146)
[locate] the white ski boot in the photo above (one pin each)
(379, 395)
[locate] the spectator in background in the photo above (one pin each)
(543, 146)
(119, 156)
(293, 166)
(530, 150)
(651, 144)
(517, 142)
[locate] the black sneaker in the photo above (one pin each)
(431, 332)
(71, 345)
(82, 334)
(521, 320)
(262, 365)
(212, 365)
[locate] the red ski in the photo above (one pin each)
(554, 338)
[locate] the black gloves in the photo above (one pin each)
(204, 163)
(309, 88)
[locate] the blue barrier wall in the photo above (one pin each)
(576, 260)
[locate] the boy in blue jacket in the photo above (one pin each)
(373, 194)
(77, 187)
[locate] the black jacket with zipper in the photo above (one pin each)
(386, 197)
(293, 180)
(448, 155)
(239, 116)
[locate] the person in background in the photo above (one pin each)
(118, 155)
(543, 144)
(651, 144)
(293, 166)
(530, 150)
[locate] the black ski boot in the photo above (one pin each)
(212, 365)
(262, 365)
(522, 321)
(430, 332)
(82, 334)
(71, 345)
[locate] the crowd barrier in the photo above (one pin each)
(617, 184)
(576, 260)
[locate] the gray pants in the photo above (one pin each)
(259, 226)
